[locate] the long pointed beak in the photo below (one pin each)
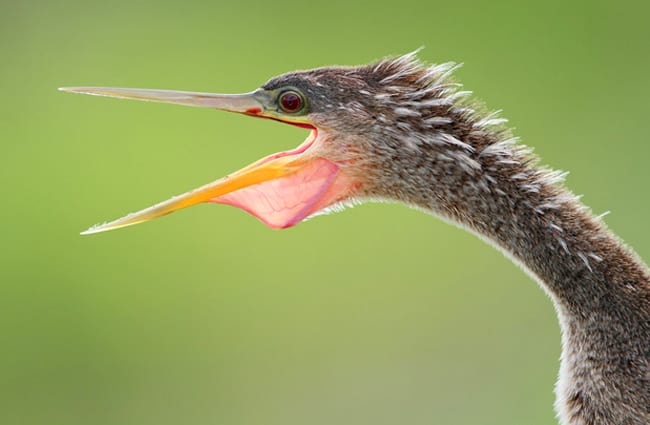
(280, 190)
(248, 103)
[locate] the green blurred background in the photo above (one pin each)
(379, 315)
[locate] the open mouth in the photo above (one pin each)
(281, 189)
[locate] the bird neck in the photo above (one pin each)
(494, 187)
(600, 288)
(581, 264)
(529, 215)
(601, 291)
(443, 155)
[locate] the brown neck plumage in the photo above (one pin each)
(482, 179)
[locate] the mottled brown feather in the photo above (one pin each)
(410, 135)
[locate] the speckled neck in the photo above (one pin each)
(600, 288)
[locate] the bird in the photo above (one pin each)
(402, 130)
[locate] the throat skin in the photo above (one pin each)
(599, 287)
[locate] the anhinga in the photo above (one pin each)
(398, 130)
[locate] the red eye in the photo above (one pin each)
(291, 101)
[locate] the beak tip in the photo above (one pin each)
(93, 229)
(80, 90)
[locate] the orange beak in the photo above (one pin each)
(281, 190)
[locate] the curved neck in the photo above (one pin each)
(495, 189)
(601, 291)
(581, 264)
(445, 156)
(600, 288)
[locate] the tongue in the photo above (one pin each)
(285, 201)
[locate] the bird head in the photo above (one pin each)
(368, 125)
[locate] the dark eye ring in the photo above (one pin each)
(291, 102)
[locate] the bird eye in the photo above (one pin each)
(291, 102)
